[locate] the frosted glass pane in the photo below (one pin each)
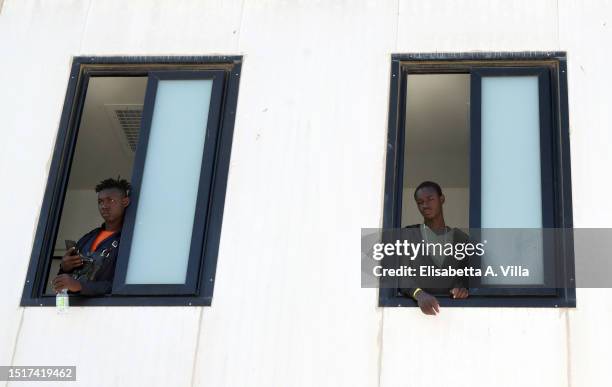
(166, 205)
(511, 192)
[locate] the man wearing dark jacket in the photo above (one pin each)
(88, 268)
(429, 200)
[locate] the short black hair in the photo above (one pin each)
(428, 184)
(118, 183)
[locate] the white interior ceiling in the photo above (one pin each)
(437, 130)
(102, 150)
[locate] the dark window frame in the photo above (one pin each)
(556, 63)
(59, 172)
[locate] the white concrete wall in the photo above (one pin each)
(306, 174)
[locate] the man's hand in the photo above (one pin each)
(428, 303)
(459, 293)
(64, 281)
(71, 260)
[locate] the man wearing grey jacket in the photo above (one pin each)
(430, 200)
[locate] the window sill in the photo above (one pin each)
(487, 302)
(122, 301)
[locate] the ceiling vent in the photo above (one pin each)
(126, 124)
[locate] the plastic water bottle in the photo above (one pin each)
(61, 301)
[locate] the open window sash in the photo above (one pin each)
(511, 176)
(164, 229)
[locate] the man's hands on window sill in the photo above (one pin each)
(429, 304)
(459, 293)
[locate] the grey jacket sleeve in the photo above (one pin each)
(461, 237)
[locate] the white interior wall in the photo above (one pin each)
(437, 138)
(307, 171)
(437, 144)
(80, 215)
(102, 151)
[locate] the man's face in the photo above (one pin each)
(112, 204)
(429, 202)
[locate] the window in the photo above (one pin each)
(166, 125)
(492, 130)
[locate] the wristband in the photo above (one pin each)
(417, 290)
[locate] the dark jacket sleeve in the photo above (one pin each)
(103, 283)
(407, 285)
(95, 288)
(79, 245)
(61, 271)
(463, 281)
